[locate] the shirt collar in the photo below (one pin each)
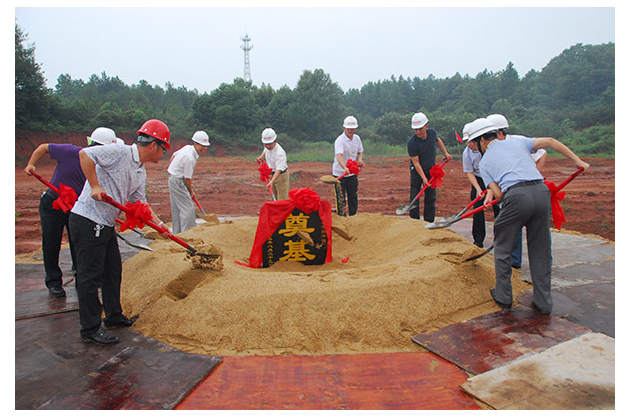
(135, 154)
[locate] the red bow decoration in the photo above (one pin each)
(305, 199)
(66, 199)
(556, 210)
(352, 166)
(436, 176)
(136, 214)
(265, 172)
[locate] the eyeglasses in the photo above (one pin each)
(161, 146)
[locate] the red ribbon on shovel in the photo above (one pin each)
(265, 172)
(353, 168)
(67, 195)
(557, 196)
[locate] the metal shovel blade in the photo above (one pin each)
(138, 246)
(403, 209)
(441, 223)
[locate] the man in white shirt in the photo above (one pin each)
(181, 171)
(348, 146)
(276, 159)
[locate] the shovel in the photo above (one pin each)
(462, 212)
(405, 209)
(64, 205)
(159, 229)
(137, 231)
(446, 223)
(199, 205)
(138, 246)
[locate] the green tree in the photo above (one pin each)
(31, 94)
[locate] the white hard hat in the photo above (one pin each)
(102, 135)
(498, 120)
(201, 138)
(268, 136)
(466, 132)
(350, 122)
(419, 120)
(480, 126)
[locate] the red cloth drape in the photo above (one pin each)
(66, 200)
(137, 214)
(273, 213)
(556, 210)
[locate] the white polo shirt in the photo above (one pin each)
(276, 158)
(348, 148)
(183, 162)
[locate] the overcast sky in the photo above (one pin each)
(199, 48)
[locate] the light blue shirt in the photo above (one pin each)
(121, 174)
(509, 162)
(471, 161)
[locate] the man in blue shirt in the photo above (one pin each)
(511, 176)
(422, 152)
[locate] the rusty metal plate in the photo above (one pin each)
(419, 380)
(486, 342)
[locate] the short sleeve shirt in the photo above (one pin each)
(183, 162)
(509, 162)
(121, 174)
(348, 148)
(424, 149)
(68, 170)
(276, 158)
(471, 161)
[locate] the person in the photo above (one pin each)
(539, 156)
(276, 158)
(511, 176)
(119, 171)
(53, 221)
(471, 160)
(181, 171)
(348, 146)
(422, 152)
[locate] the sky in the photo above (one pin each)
(200, 47)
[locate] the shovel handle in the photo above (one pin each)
(198, 204)
(150, 223)
(445, 160)
(476, 210)
(569, 179)
(45, 182)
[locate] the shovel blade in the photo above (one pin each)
(403, 210)
(441, 224)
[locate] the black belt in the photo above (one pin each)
(525, 183)
(273, 172)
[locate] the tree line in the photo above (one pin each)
(572, 99)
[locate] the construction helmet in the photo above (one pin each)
(350, 122)
(102, 135)
(155, 129)
(119, 141)
(499, 121)
(268, 136)
(201, 138)
(466, 132)
(480, 126)
(419, 120)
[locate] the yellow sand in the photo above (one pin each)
(400, 280)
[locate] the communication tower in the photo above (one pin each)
(246, 48)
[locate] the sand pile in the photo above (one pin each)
(398, 280)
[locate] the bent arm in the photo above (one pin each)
(37, 154)
(543, 142)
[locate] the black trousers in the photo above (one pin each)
(98, 266)
(347, 189)
(478, 220)
(53, 223)
(429, 196)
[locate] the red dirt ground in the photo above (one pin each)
(229, 186)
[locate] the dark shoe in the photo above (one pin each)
(517, 266)
(502, 305)
(57, 291)
(479, 244)
(533, 306)
(122, 322)
(101, 337)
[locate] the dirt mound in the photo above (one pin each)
(398, 280)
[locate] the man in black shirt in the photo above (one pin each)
(422, 152)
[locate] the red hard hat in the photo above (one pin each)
(156, 129)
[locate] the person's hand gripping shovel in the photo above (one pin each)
(433, 182)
